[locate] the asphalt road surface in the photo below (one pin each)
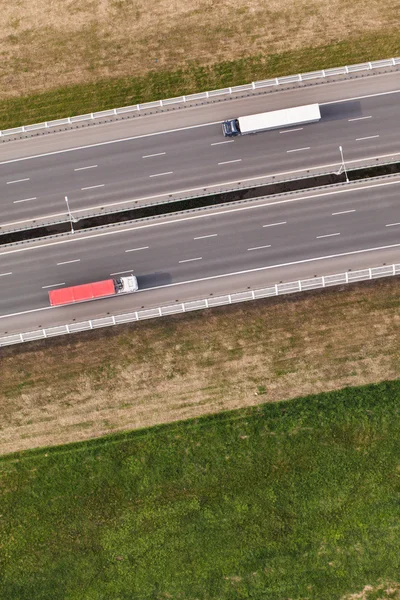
(221, 250)
(149, 158)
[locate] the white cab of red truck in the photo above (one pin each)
(275, 119)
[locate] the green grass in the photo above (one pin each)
(288, 500)
(112, 93)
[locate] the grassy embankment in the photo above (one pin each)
(289, 500)
(61, 59)
(87, 385)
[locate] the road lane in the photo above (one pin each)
(197, 158)
(175, 250)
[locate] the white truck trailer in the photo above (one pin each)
(275, 119)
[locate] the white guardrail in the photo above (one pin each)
(140, 315)
(248, 87)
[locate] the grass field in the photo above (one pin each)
(294, 500)
(90, 384)
(64, 58)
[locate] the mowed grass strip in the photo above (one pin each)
(84, 98)
(90, 384)
(288, 500)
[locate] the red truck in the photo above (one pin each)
(92, 291)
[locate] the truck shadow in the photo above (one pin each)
(341, 110)
(152, 280)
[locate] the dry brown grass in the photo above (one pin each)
(381, 591)
(156, 372)
(45, 44)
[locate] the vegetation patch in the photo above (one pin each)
(193, 364)
(287, 500)
(63, 58)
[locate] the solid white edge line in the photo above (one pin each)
(196, 216)
(92, 187)
(17, 181)
(343, 212)
(190, 259)
(44, 287)
(258, 248)
(67, 262)
(134, 249)
(84, 168)
(359, 97)
(24, 200)
(327, 235)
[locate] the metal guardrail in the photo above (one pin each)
(248, 87)
(140, 315)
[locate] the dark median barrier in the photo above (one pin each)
(199, 202)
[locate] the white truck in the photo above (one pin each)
(275, 119)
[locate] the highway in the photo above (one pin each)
(156, 156)
(200, 253)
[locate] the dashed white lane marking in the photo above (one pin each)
(227, 162)
(84, 168)
(369, 137)
(44, 287)
(298, 149)
(160, 174)
(18, 181)
(67, 262)
(135, 249)
(4, 274)
(360, 118)
(290, 130)
(219, 143)
(190, 259)
(203, 237)
(392, 224)
(344, 212)
(91, 187)
(258, 248)
(273, 224)
(24, 200)
(327, 235)
(151, 155)
(121, 272)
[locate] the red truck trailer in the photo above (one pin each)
(92, 291)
